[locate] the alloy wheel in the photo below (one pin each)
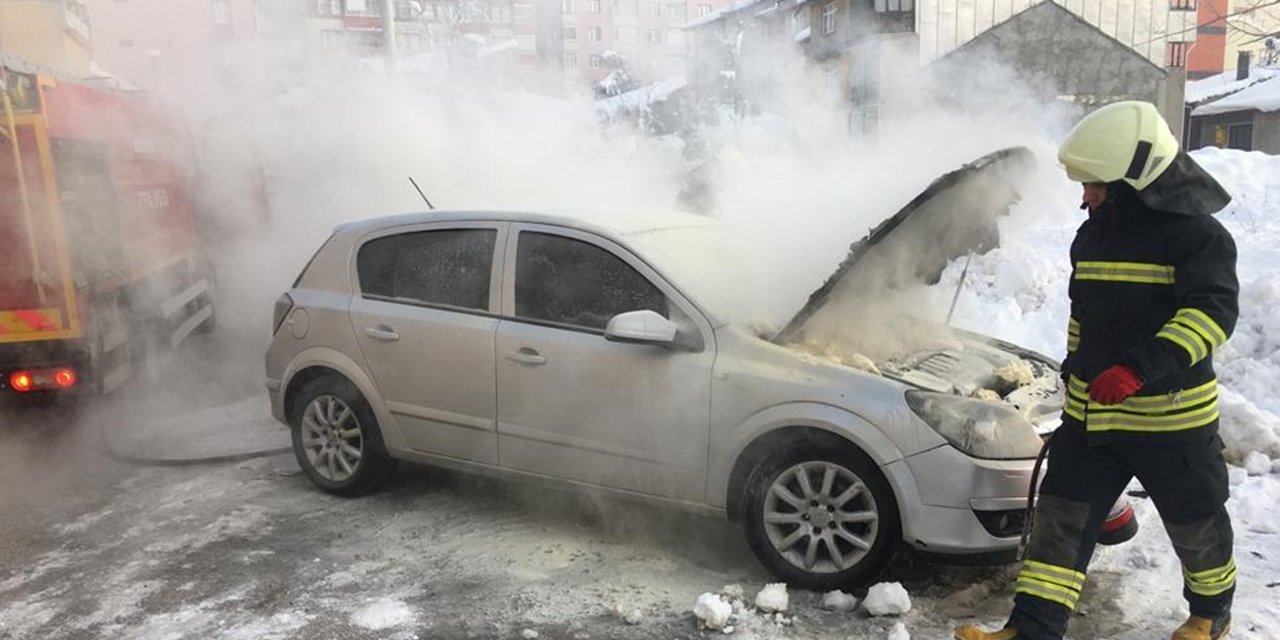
(820, 517)
(332, 438)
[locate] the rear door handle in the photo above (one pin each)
(382, 332)
(526, 356)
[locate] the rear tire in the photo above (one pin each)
(821, 518)
(337, 441)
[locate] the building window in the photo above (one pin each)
(678, 10)
(624, 7)
(595, 34)
(704, 10)
(1177, 55)
(1182, 5)
(654, 36)
(571, 60)
(593, 6)
(626, 34)
(653, 9)
(566, 6)
(595, 61)
(126, 43)
(829, 18)
(1240, 136)
(897, 6)
(799, 21)
(570, 33)
(522, 14)
(329, 7)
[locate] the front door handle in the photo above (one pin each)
(526, 356)
(382, 332)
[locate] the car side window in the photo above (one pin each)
(449, 267)
(570, 282)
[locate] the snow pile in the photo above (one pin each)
(772, 598)
(887, 599)
(898, 632)
(838, 601)
(383, 614)
(712, 611)
(1257, 464)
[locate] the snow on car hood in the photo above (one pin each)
(956, 215)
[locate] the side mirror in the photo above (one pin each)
(641, 327)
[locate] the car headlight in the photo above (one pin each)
(979, 428)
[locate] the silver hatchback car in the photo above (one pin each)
(545, 347)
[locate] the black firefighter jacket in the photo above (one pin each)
(1153, 289)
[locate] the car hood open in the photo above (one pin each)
(956, 215)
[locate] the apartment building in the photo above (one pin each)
(171, 47)
(50, 33)
(648, 34)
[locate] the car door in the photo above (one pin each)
(574, 405)
(425, 317)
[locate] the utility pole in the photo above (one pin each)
(389, 31)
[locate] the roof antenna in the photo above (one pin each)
(959, 285)
(424, 196)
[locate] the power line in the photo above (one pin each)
(1166, 36)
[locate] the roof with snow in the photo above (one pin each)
(1225, 84)
(641, 98)
(1263, 96)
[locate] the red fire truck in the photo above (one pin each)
(99, 263)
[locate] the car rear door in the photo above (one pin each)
(573, 405)
(425, 317)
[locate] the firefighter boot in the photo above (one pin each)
(1197, 628)
(973, 632)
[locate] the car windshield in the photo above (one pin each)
(713, 264)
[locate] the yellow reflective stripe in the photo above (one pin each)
(1102, 421)
(1185, 338)
(1061, 595)
(1171, 401)
(1202, 324)
(1211, 582)
(1054, 574)
(1066, 572)
(1074, 408)
(1140, 272)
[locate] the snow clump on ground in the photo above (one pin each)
(838, 601)
(772, 598)
(382, 614)
(898, 632)
(712, 611)
(1257, 464)
(887, 599)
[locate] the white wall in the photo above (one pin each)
(1145, 25)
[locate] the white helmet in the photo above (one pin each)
(1127, 141)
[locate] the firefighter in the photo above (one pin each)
(1153, 292)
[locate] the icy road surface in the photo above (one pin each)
(91, 548)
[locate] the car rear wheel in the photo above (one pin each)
(821, 519)
(336, 439)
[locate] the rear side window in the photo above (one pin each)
(571, 282)
(451, 268)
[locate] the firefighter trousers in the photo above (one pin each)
(1186, 482)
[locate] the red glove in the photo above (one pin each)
(1114, 385)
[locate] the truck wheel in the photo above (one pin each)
(336, 439)
(821, 519)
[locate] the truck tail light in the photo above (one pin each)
(64, 378)
(43, 379)
(21, 381)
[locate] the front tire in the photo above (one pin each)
(820, 518)
(336, 439)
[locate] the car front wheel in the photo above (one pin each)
(336, 440)
(821, 519)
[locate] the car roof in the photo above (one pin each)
(612, 224)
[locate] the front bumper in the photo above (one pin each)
(959, 507)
